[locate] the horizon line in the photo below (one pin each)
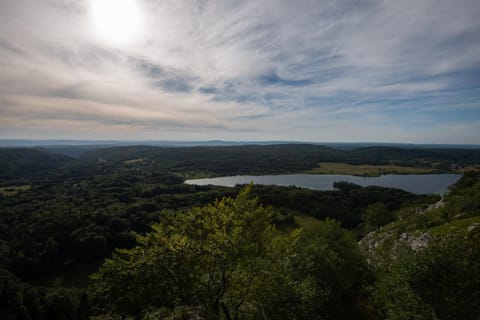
(113, 141)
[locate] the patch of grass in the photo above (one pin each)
(309, 224)
(197, 175)
(457, 226)
(366, 169)
(139, 160)
(13, 190)
(469, 168)
(438, 227)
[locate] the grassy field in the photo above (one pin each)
(458, 226)
(133, 161)
(13, 190)
(366, 169)
(309, 224)
(469, 168)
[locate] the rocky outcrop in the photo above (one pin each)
(416, 241)
(376, 245)
(473, 227)
(439, 204)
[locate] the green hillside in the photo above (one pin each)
(28, 162)
(273, 159)
(116, 234)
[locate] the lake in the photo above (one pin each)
(419, 184)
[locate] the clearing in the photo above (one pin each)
(366, 169)
(13, 190)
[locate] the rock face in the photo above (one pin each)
(473, 227)
(374, 240)
(436, 205)
(416, 242)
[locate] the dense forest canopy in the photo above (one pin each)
(230, 160)
(161, 249)
(215, 161)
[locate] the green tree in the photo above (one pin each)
(439, 282)
(209, 256)
(316, 275)
(50, 252)
(226, 261)
(377, 215)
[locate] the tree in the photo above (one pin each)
(439, 282)
(226, 261)
(50, 252)
(316, 275)
(377, 215)
(209, 256)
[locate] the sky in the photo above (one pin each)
(324, 70)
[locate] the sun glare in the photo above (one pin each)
(116, 21)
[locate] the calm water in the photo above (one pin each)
(420, 184)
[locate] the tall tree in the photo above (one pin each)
(210, 256)
(226, 261)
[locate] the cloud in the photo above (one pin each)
(307, 70)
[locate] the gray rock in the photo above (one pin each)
(473, 227)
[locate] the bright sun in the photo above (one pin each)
(116, 21)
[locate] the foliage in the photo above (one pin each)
(345, 205)
(16, 163)
(441, 281)
(63, 222)
(225, 259)
(22, 301)
(461, 203)
(318, 275)
(273, 159)
(208, 256)
(345, 185)
(464, 198)
(377, 215)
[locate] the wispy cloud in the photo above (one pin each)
(307, 70)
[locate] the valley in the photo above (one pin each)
(74, 228)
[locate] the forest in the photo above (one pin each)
(116, 234)
(204, 161)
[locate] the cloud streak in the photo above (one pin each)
(368, 70)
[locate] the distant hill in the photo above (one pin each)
(187, 143)
(28, 162)
(72, 151)
(381, 154)
(252, 159)
(273, 159)
(219, 160)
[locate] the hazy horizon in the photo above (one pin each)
(216, 142)
(304, 71)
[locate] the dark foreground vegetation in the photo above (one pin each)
(160, 249)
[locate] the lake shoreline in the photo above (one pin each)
(414, 183)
